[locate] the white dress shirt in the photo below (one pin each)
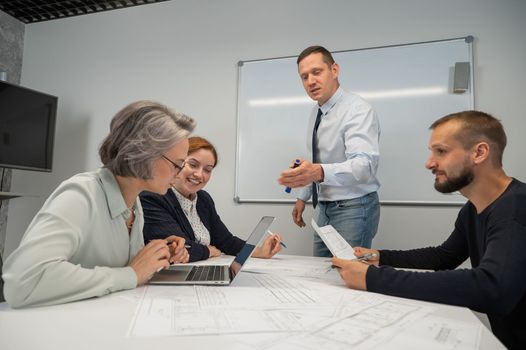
(348, 148)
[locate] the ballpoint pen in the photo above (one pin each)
(187, 246)
(366, 257)
(280, 242)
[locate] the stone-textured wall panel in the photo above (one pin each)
(11, 51)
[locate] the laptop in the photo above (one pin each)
(214, 274)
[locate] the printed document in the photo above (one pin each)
(338, 246)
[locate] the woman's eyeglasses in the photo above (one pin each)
(177, 167)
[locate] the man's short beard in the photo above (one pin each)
(456, 183)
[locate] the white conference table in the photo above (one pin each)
(108, 322)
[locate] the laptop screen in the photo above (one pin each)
(251, 243)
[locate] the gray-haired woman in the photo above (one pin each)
(87, 240)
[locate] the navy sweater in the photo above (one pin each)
(495, 242)
(163, 217)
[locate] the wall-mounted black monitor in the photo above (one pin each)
(27, 128)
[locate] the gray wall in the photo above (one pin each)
(184, 53)
(11, 48)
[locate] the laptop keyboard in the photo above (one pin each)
(206, 273)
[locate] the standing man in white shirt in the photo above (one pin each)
(342, 175)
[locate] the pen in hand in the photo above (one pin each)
(187, 247)
(366, 257)
(280, 242)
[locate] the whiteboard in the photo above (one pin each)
(409, 86)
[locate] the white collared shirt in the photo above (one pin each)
(77, 246)
(348, 148)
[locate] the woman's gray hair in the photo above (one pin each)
(139, 134)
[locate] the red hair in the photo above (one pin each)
(196, 143)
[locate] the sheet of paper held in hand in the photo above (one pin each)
(338, 246)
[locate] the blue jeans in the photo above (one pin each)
(355, 219)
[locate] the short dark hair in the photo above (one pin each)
(476, 126)
(327, 56)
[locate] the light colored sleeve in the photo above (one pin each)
(39, 271)
(361, 132)
(304, 193)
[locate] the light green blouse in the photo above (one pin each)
(77, 246)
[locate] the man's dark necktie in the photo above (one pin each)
(315, 155)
